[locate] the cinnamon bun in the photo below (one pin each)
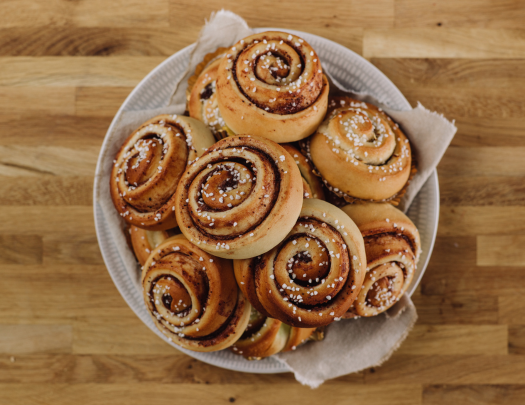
(360, 152)
(312, 184)
(202, 99)
(144, 242)
(266, 336)
(241, 198)
(392, 247)
(148, 167)
(192, 296)
(314, 275)
(272, 85)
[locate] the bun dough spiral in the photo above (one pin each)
(202, 101)
(241, 198)
(360, 152)
(266, 336)
(144, 242)
(313, 276)
(392, 247)
(192, 296)
(312, 185)
(148, 167)
(271, 85)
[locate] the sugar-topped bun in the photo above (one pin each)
(272, 85)
(360, 152)
(392, 247)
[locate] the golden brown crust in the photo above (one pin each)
(244, 270)
(240, 198)
(192, 296)
(313, 186)
(313, 276)
(199, 69)
(202, 101)
(392, 247)
(144, 242)
(269, 339)
(148, 166)
(271, 85)
(297, 337)
(359, 151)
(266, 336)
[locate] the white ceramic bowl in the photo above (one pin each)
(349, 69)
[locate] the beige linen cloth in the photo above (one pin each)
(349, 345)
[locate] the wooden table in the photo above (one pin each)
(67, 336)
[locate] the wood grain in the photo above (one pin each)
(452, 369)
(67, 40)
(17, 339)
(478, 394)
(23, 13)
(483, 161)
(22, 160)
(451, 13)
(167, 368)
(124, 336)
(481, 220)
(512, 309)
(52, 130)
(458, 280)
(333, 14)
(66, 334)
(33, 220)
(71, 248)
(161, 393)
(453, 73)
(21, 100)
(503, 250)
(118, 71)
(16, 249)
(479, 131)
(440, 43)
(58, 294)
(99, 101)
(482, 190)
(45, 190)
(456, 339)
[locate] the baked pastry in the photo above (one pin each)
(241, 198)
(202, 100)
(144, 241)
(148, 166)
(392, 247)
(266, 336)
(312, 185)
(360, 152)
(313, 276)
(272, 85)
(192, 296)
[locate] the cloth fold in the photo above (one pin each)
(350, 345)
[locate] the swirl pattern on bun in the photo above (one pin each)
(314, 275)
(241, 198)
(312, 184)
(144, 242)
(148, 167)
(192, 296)
(202, 100)
(360, 152)
(271, 85)
(266, 336)
(392, 247)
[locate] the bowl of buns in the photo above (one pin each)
(267, 209)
